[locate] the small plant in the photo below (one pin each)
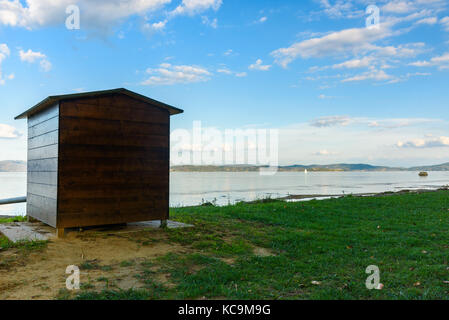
(106, 268)
(87, 286)
(125, 264)
(89, 265)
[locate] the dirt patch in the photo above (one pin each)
(263, 252)
(229, 261)
(165, 279)
(41, 274)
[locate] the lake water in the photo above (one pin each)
(194, 188)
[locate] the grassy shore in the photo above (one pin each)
(299, 250)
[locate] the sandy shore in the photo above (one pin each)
(372, 194)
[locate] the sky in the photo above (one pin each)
(337, 83)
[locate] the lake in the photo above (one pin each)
(191, 188)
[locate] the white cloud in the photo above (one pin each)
(45, 65)
(31, 56)
(355, 63)
(377, 75)
(340, 9)
(9, 132)
(323, 96)
(259, 66)
(404, 50)
(442, 62)
(211, 23)
(263, 19)
(428, 142)
(398, 7)
(346, 41)
(4, 53)
(97, 15)
(445, 23)
(353, 140)
(38, 13)
(429, 21)
(396, 123)
(229, 52)
(155, 27)
(225, 71)
(331, 121)
(324, 152)
(168, 74)
(192, 7)
(229, 72)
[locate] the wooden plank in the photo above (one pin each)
(113, 127)
(50, 178)
(41, 208)
(110, 151)
(43, 165)
(109, 177)
(43, 115)
(114, 140)
(46, 152)
(41, 202)
(101, 112)
(44, 127)
(42, 215)
(119, 100)
(43, 140)
(106, 191)
(101, 206)
(94, 219)
(110, 164)
(45, 190)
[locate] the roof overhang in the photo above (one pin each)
(50, 101)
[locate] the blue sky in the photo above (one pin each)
(337, 90)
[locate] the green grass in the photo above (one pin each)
(330, 241)
(23, 248)
(13, 219)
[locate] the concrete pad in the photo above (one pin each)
(27, 231)
(19, 231)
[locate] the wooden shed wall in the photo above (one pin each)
(43, 137)
(113, 161)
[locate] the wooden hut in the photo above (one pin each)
(98, 158)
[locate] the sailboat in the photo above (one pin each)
(305, 171)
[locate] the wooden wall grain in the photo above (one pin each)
(42, 186)
(113, 161)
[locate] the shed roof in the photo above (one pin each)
(48, 102)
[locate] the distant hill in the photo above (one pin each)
(21, 166)
(439, 167)
(339, 167)
(294, 168)
(13, 166)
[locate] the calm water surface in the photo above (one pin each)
(194, 188)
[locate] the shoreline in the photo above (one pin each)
(368, 194)
(310, 197)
